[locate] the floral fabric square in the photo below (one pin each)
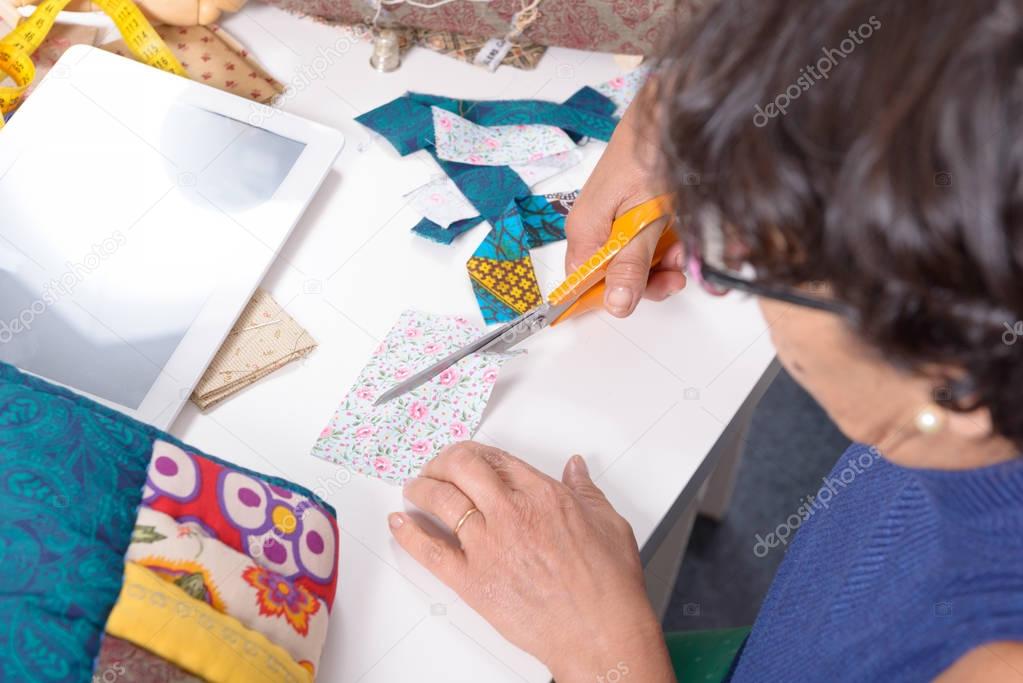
(461, 140)
(622, 89)
(394, 440)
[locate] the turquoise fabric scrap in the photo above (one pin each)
(488, 188)
(526, 223)
(71, 478)
(438, 233)
(520, 221)
(407, 122)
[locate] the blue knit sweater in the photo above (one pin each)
(895, 574)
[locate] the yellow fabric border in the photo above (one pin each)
(160, 617)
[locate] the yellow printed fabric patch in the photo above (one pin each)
(162, 618)
(510, 282)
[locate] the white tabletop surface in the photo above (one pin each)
(644, 399)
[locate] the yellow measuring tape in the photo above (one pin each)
(17, 46)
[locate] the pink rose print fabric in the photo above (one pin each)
(393, 441)
(622, 90)
(461, 140)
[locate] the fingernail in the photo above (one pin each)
(395, 520)
(619, 300)
(677, 261)
(578, 464)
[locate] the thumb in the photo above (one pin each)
(577, 478)
(627, 274)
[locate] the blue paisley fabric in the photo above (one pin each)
(71, 477)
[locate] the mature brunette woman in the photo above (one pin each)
(895, 178)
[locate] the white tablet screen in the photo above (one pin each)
(117, 230)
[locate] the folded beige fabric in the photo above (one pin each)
(264, 339)
(213, 57)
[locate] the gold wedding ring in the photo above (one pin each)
(467, 515)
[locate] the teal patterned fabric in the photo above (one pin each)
(71, 477)
(527, 223)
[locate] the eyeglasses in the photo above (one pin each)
(718, 282)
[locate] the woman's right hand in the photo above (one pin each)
(626, 176)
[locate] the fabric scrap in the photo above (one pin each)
(407, 121)
(622, 89)
(501, 270)
(437, 233)
(578, 115)
(461, 140)
(211, 56)
(160, 617)
(72, 474)
(232, 583)
(547, 167)
(510, 282)
(280, 529)
(488, 188)
(125, 662)
(441, 202)
(264, 339)
(394, 440)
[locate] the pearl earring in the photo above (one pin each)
(929, 420)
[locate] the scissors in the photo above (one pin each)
(582, 291)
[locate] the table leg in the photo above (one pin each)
(708, 492)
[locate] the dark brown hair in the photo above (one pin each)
(895, 175)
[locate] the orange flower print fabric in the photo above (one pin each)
(182, 553)
(278, 597)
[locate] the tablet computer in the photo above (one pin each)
(140, 212)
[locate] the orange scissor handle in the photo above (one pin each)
(586, 283)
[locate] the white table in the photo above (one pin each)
(644, 399)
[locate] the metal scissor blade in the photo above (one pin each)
(500, 340)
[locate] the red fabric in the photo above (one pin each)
(206, 507)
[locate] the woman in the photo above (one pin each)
(864, 161)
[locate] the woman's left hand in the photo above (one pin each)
(550, 564)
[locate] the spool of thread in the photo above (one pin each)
(386, 51)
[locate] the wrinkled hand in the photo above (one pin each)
(550, 564)
(625, 177)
